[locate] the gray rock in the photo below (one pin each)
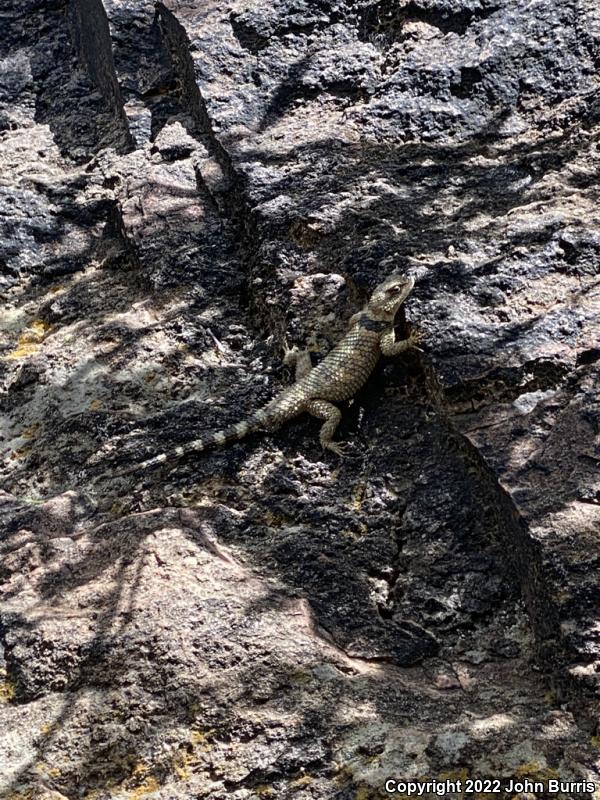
(184, 187)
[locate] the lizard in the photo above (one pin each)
(338, 377)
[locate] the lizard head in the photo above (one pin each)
(389, 296)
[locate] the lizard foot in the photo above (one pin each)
(290, 354)
(339, 448)
(415, 339)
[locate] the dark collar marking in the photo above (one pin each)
(376, 325)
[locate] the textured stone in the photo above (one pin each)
(184, 186)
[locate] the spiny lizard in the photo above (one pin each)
(338, 377)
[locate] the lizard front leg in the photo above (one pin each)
(298, 358)
(390, 347)
(322, 409)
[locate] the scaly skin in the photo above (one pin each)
(338, 377)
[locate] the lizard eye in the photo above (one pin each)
(394, 289)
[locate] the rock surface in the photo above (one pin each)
(187, 184)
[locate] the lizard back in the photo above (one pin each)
(348, 366)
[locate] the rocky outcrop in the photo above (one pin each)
(184, 186)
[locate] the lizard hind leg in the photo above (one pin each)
(322, 409)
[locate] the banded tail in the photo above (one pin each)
(257, 421)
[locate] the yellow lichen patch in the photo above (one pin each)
(200, 738)
(535, 772)
(358, 495)
(344, 776)
(22, 350)
(139, 770)
(7, 688)
(120, 507)
(185, 760)
(48, 728)
(51, 772)
(181, 764)
(275, 520)
(31, 432)
(365, 792)
(264, 792)
(30, 340)
(149, 785)
(96, 405)
(38, 329)
(21, 452)
(302, 782)
(145, 782)
(454, 775)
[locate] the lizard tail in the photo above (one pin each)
(260, 419)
